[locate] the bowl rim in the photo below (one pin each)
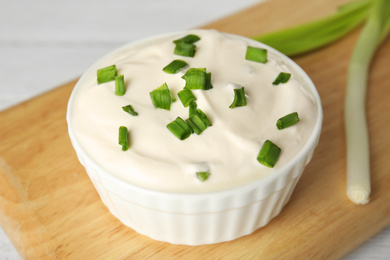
(310, 144)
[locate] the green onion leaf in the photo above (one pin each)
(106, 74)
(269, 154)
(287, 120)
(129, 109)
(180, 128)
(161, 97)
(318, 33)
(190, 38)
(239, 98)
(185, 49)
(120, 88)
(175, 66)
(256, 54)
(192, 108)
(186, 97)
(123, 138)
(197, 78)
(202, 176)
(283, 77)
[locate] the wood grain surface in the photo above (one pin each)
(50, 209)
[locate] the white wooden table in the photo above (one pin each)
(46, 43)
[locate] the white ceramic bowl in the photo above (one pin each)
(204, 218)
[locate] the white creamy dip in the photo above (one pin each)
(228, 149)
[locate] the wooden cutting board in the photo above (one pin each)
(49, 208)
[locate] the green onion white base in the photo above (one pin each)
(359, 194)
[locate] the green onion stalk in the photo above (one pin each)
(358, 163)
(316, 34)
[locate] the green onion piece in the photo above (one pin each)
(190, 38)
(203, 116)
(192, 108)
(202, 176)
(283, 77)
(256, 54)
(129, 109)
(197, 78)
(123, 138)
(175, 66)
(198, 122)
(120, 88)
(239, 98)
(186, 97)
(287, 120)
(269, 154)
(185, 49)
(180, 128)
(106, 74)
(208, 81)
(162, 97)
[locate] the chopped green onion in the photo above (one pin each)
(208, 81)
(239, 98)
(180, 128)
(123, 138)
(190, 38)
(269, 154)
(198, 122)
(186, 97)
(175, 66)
(129, 109)
(197, 78)
(106, 74)
(202, 176)
(162, 97)
(203, 116)
(185, 49)
(120, 88)
(185, 46)
(192, 108)
(256, 54)
(287, 120)
(283, 77)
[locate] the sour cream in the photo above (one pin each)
(228, 149)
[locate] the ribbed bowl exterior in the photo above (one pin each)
(195, 219)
